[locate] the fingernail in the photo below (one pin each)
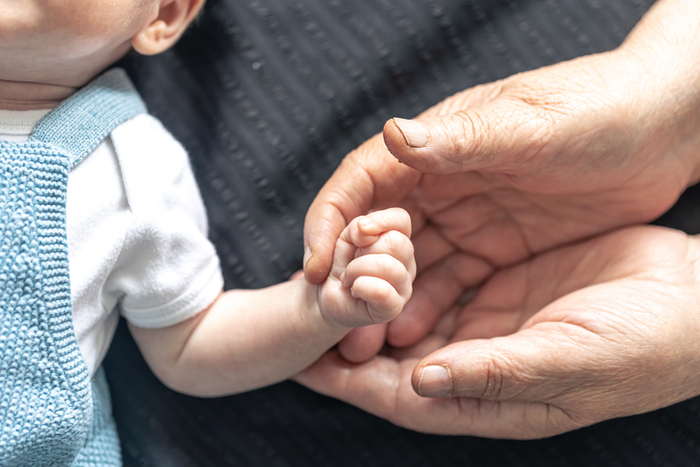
(435, 381)
(342, 278)
(415, 134)
(307, 255)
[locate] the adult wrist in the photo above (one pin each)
(665, 53)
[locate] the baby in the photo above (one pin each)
(100, 216)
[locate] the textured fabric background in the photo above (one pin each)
(268, 96)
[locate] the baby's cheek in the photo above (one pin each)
(98, 25)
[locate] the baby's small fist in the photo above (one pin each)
(375, 266)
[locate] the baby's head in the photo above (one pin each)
(66, 43)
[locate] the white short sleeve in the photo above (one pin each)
(136, 230)
(167, 270)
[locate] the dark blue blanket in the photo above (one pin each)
(268, 96)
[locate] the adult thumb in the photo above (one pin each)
(501, 136)
(527, 366)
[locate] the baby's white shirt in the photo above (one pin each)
(136, 230)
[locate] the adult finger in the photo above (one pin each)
(435, 292)
(361, 344)
(430, 247)
(337, 203)
(382, 387)
(498, 137)
(537, 364)
(367, 177)
(546, 120)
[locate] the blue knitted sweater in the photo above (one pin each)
(51, 412)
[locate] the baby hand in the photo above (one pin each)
(373, 269)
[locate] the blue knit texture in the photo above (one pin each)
(102, 447)
(51, 413)
(45, 392)
(82, 121)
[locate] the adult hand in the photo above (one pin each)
(588, 332)
(528, 163)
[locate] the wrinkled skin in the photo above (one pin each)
(502, 173)
(600, 329)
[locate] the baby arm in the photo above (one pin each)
(252, 338)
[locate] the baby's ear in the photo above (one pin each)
(171, 18)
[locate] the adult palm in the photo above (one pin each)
(503, 171)
(587, 332)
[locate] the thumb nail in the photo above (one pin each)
(415, 134)
(435, 381)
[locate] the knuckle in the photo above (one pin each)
(500, 379)
(470, 137)
(493, 381)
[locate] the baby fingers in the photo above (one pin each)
(380, 280)
(383, 302)
(365, 230)
(382, 266)
(395, 244)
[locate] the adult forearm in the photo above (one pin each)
(666, 43)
